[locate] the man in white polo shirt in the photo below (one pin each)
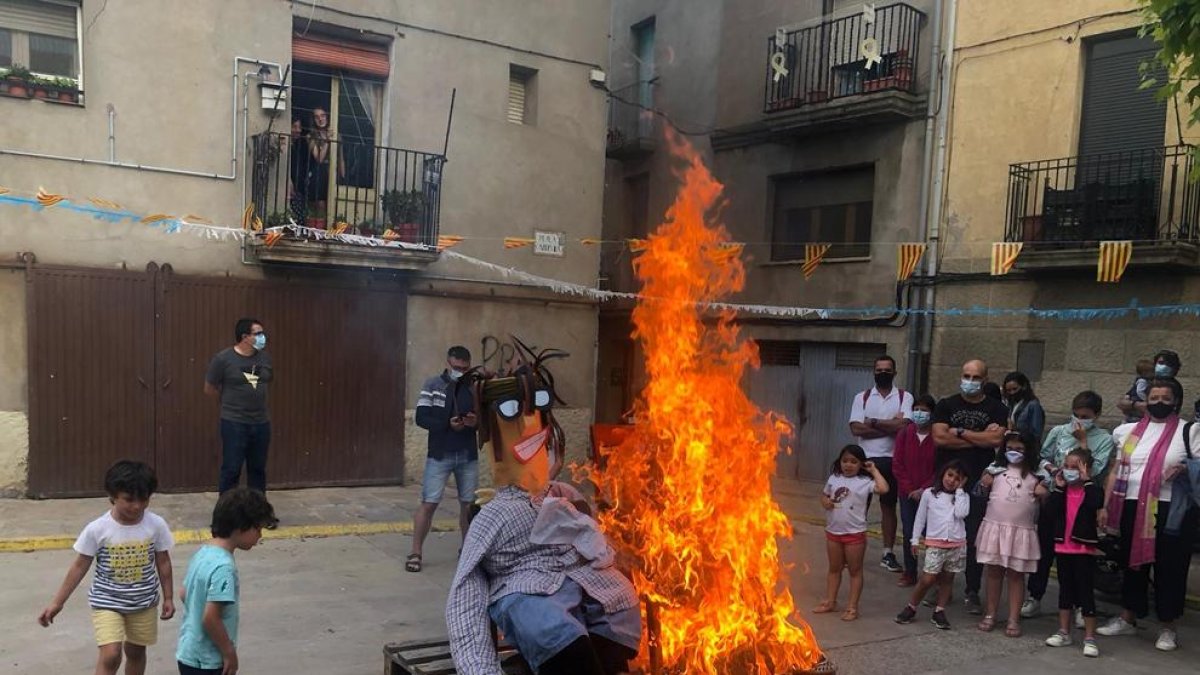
(876, 416)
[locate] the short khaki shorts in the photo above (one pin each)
(139, 628)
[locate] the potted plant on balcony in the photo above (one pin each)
(63, 89)
(17, 81)
(902, 69)
(405, 212)
(314, 219)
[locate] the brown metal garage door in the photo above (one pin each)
(337, 403)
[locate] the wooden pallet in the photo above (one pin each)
(432, 657)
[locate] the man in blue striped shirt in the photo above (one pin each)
(131, 547)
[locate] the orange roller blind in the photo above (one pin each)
(359, 58)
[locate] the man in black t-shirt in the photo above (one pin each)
(240, 376)
(968, 427)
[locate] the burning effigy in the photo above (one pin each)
(688, 490)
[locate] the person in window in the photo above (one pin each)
(321, 142)
(298, 170)
(1024, 409)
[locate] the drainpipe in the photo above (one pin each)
(920, 338)
(112, 133)
(111, 161)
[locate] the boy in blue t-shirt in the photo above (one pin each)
(208, 634)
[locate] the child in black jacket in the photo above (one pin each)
(1073, 504)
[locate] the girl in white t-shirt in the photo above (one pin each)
(851, 483)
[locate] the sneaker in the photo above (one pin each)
(905, 581)
(1090, 648)
(1079, 618)
(1059, 640)
(1031, 608)
(939, 619)
(971, 602)
(889, 562)
(906, 615)
(1166, 641)
(1117, 626)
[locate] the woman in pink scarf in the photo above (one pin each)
(1149, 454)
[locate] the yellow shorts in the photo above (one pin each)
(139, 628)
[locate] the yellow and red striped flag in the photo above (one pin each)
(591, 242)
(517, 242)
(636, 245)
(813, 255)
(1004, 256)
(248, 216)
(907, 258)
(449, 241)
(1114, 256)
(48, 199)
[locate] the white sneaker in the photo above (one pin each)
(1117, 626)
(1166, 641)
(1079, 618)
(1031, 608)
(1090, 648)
(1059, 640)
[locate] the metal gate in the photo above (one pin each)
(812, 384)
(133, 358)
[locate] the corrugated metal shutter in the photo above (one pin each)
(1117, 116)
(45, 18)
(357, 57)
(516, 98)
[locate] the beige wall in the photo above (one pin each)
(168, 75)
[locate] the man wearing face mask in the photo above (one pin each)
(876, 416)
(969, 426)
(446, 409)
(1081, 431)
(240, 376)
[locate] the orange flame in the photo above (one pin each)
(690, 485)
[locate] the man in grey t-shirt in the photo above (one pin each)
(241, 375)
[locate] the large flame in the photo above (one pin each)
(691, 484)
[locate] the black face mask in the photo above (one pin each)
(884, 380)
(1160, 410)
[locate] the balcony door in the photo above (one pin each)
(346, 82)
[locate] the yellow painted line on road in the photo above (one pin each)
(1192, 601)
(200, 535)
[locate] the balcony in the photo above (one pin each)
(631, 125)
(1062, 208)
(387, 200)
(817, 79)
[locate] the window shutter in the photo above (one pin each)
(368, 59)
(516, 98)
(1118, 116)
(45, 18)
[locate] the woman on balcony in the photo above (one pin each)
(320, 141)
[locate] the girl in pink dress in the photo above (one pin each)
(1007, 541)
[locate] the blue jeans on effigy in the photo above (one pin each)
(542, 625)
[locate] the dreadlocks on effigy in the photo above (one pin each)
(525, 375)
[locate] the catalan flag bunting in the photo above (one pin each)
(48, 199)
(1004, 256)
(1114, 256)
(272, 238)
(813, 255)
(248, 216)
(517, 242)
(591, 242)
(907, 258)
(637, 245)
(449, 240)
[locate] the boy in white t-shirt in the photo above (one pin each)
(131, 546)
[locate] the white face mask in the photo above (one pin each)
(454, 374)
(1086, 424)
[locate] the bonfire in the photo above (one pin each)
(690, 486)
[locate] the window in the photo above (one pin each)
(828, 207)
(41, 35)
(1030, 357)
(858, 355)
(779, 352)
(522, 95)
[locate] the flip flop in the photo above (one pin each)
(987, 624)
(825, 608)
(413, 562)
(1013, 629)
(851, 614)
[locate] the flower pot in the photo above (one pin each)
(41, 92)
(18, 88)
(68, 96)
(315, 223)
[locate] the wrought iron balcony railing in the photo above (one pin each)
(631, 124)
(1142, 195)
(371, 189)
(826, 61)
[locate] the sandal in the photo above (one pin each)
(987, 624)
(1013, 629)
(851, 614)
(413, 562)
(825, 607)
